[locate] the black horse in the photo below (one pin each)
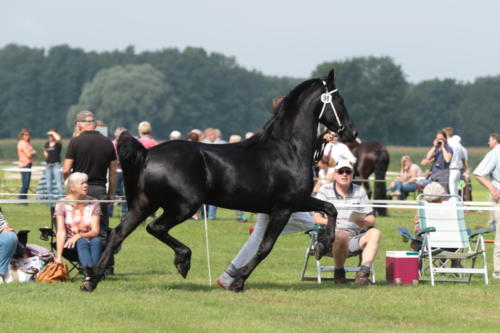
(372, 157)
(269, 173)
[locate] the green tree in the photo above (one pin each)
(126, 95)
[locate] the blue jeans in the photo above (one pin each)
(89, 251)
(53, 173)
(212, 212)
(8, 245)
(25, 181)
(404, 189)
(120, 190)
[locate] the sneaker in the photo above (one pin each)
(362, 277)
(339, 276)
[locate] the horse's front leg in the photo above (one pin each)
(327, 235)
(277, 221)
(128, 223)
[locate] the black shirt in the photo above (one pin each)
(53, 152)
(92, 154)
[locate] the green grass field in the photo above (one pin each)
(148, 295)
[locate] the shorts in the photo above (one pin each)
(354, 237)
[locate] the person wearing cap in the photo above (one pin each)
(355, 223)
(52, 153)
(174, 135)
(488, 174)
(93, 154)
(145, 137)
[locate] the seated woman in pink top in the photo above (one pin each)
(25, 153)
(145, 135)
(78, 223)
(406, 182)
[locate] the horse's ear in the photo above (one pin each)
(331, 76)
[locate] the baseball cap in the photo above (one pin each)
(85, 117)
(343, 164)
(175, 134)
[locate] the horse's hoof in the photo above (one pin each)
(183, 268)
(236, 286)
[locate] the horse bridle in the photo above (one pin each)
(326, 98)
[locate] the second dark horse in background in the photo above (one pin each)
(269, 173)
(372, 157)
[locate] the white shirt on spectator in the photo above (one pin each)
(339, 151)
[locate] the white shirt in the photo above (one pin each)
(490, 166)
(339, 151)
(458, 154)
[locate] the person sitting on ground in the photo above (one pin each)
(8, 245)
(355, 225)
(78, 224)
(145, 137)
(406, 182)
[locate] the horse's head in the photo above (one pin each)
(332, 113)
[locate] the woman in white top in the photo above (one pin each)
(406, 182)
(325, 172)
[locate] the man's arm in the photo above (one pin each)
(487, 183)
(68, 164)
(112, 179)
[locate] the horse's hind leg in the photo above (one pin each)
(277, 222)
(128, 224)
(172, 216)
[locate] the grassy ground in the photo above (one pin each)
(147, 294)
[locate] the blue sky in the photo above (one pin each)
(429, 39)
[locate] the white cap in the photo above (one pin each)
(343, 164)
(175, 135)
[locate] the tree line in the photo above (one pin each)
(184, 89)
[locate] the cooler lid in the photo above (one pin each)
(401, 254)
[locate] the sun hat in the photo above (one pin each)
(343, 164)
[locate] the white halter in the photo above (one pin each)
(326, 98)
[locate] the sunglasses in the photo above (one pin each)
(345, 171)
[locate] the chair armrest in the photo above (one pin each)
(313, 229)
(426, 230)
(479, 232)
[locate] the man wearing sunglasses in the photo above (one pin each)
(355, 230)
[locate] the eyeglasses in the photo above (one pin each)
(344, 171)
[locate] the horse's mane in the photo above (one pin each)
(286, 109)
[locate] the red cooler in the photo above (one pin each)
(401, 267)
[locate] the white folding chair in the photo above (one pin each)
(445, 239)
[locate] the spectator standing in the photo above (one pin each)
(52, 153)
(8, 245)
(25, 153)
(439, 157)
(488, 174)
(175, 135)
(337, 150)
(355, 226)
(145, 137)
(93, 154)
(240, 215)
(210, 135)
(120, 186)
(458, 163)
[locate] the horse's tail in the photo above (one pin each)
(132, 155)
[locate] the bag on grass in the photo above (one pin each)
(54, 272)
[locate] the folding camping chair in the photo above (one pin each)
(443, 229)
(49, 234)
(313, 240)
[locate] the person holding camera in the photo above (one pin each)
(439, 156)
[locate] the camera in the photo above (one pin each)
(439, 144)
